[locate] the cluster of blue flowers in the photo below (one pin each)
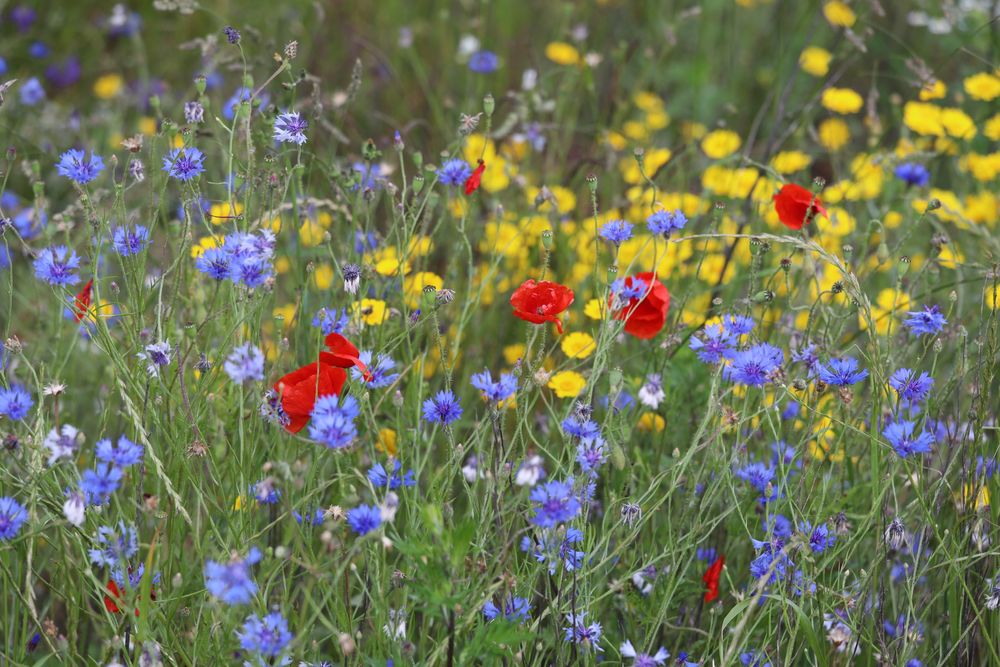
(242, 259)
(332, 421)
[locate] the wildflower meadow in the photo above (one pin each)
(494, 332)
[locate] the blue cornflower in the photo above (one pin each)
(75, 165)
(61, 443)
(580, 428)
(771, 560)
(363, 242)
(245, 363)
(841, 372)
(591, 455)
(707, 554)
(454, 172)
(98, 484)
(900, 436)
(184, 163)
(130, 241)
(12, 517)
(370, 173)
(807, 355)
(910, 386)
(484, 62)
(381, 479)
(380, 372)
(363, 519)
(714, 345)
(231, 582)
(56, 265)
(330, 320)
(666, 222)
(739, 325)
(643, 659)
(442, 408)
(928, 321)
(616, 231)
(913, 629)
(310, 518)
(759, 476)
(155, 355)
(127, 453)
(243, 94)
(497, 391)
(755, 365)
(754, 659)
(114, 546)
(290, 128)
(32, 92)
(588, 636)
(332, 421)
(912, 173)
(626, 291)
(556, 551)
(252, 272)
(555, 502)
(820, 538)
(515, 609)
(129, 578)
(266, 637)
(778, 525)
(216, 262)
(15, 402)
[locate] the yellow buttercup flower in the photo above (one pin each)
(719, 144)
(562, 53)
(386, 442)
(372, 312)
(923, 118)
(108, 86)
(593, 309)
(815, 60)
(310, 234)
(650, 421)
(839, 14)
(577, 345)
(224, 212)
(513, 352)
(204, 243)
(984, 86)
(958, 124)
(833, 134)
(323, 276)
(933, 90)
(567, 384)
(842, 100)
(789, 162)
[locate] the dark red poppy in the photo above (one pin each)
(472, 182)
(645, 317)
(343, 354)
(711, 578)
(539, 302)
(300, 389)
(796, 206)
(81, 304)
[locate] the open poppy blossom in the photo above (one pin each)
(114, 596)
(711, 578)
(81, 303)
(540, 302)
(473, 181)
(644, 313)
(796, 206)
(325, 376)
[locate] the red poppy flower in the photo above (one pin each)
(539, 302)
(343, 354)
(300, 389)
(472, 182)
(711, 578)
(115, 594)
(644, 318)
(796, 206)
(81, 304)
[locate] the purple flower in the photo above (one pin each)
(114, 546)
(755, 365)
(130, 241)
(912, 174)
(363, 519)
(332, 422)
(927, 322)
(900, 436)
(515, 609)
(910, 386)
(643, 659)
(484, 62)
(266, 637)
(616, 231)
(184, 163)
(495, 391)
(245, 363)
(555, 502)
(56, 266)
(231, 582)
(841, 372)
(714, 344)
(381, 479)
(125, 454)
(15, 402)
(443, 408)
(75, 165)
(12, 517)
(666, 222)
(588, 636)
(98, 484)
(454, 172)
(290, 128)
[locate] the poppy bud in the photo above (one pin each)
(489, 104)
(200, 84)
(592, 183)
(904, 266)
(369, 152)
(418, 184)
(547, 239)
(883, 252)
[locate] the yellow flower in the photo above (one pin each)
(815, 60)
(204, 243)
(657, 120)
(635, 130)
(513, 352)
(647, 101)
(839, 14)
(983, 86)
(562, 53)
(983, 208)
(323, 276)
(933, 90)
(567, 384)
(577, 345)
(982, 167)
(833, 134)
(991, 297)
(310, 234)
(718, 144)
(284, 314)
(991, 128)
(650, 421)
(593, 309)
(958, 124)
(651, 162)
(108, 86)
(147, 125)
(222, 212)
(842, 100)
(615, 140)
(565, 199)
(391, 266)
(923, 118)
(371, 311)
(788, 162)
(282, 265)
(413, 286)
(386, 442)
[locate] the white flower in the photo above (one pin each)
(74, 508)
